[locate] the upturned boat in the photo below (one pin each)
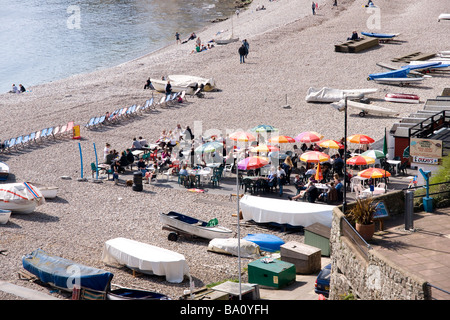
(402, 98)
(20, 197)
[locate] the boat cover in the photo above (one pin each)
(64, 273)
(146, 258)
(332, 95)
(267, 242)
(21, 191)
(266, 210)
(230, 246)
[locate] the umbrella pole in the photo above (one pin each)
(344, 202)
(238, 227)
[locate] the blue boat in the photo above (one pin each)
(427, 65)
(266, 242)
(399, 73)
(379, 35)
(62, 273)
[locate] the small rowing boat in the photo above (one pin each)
(20, 197)
(4, 171)
(380, 35)
(266, 242)
(402, 98)
(184, 224)
(4, 216)
(444, 16)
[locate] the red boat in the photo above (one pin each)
(402, 97)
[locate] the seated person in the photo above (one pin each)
(110, 157)
(354, 36)
(123, 161)
(136, 145)
(339, 188)
(142, 166)
(298, 183)
(130, 157)
(183, 171)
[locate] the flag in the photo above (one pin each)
(319, 175)
(385, 148)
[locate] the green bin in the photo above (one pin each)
(277, 273)
(318, 235)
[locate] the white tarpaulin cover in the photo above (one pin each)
(230, 246)
(333, 95)
(265, 210)
(146, 258)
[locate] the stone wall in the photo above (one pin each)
(361, 271)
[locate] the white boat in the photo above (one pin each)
(20, 197)
(208, 84)
(160, 85)
(4, 216)
(398, 81)
(444, 16)
(402, 98)
(326, 94)
(230, 246)
(48, 192)
(182, 223)
(365, 108)
(4, 171)
(146, 258)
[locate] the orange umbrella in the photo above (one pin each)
(360, 160)
(282, 139)
(242, 136)
(308, 136)
(374, 173)
(333, 144)
(319, 175)
(360, 138)
(314, 156)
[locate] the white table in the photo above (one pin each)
(376, 191)
(396, 163)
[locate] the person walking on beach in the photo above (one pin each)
(246, 45)
(242, 52)
(177, 37)
(168, 88)
(313, 6)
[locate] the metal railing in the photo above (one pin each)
(436, 121)
(431, 184)
(349, 232)
(441, 293)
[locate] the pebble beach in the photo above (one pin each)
(290, 51)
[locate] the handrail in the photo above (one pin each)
(420, 126)
(440, 289)
(358, 240)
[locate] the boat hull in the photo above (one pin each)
(194, 226)
(134, 294)
(20, 197)
(402, 98)
(4, 171)
(160, 85)
(4, 216)
(379, 35)
(208, 84)
(398, 81)
(399, 73)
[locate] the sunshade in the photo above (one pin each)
(264, 148)
(376, 154)
(209, 147)
(360, 160)
(374, 173)
(360, 138)
(319, 175)
(252, 163)
(264, 128)
(282, 139)
(242, 136)
(314, 156)
(332, 144)
(308, 137)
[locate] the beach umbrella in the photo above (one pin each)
(314, 156)
(374, 173)
(319, 175)
(264, 148)
(308, 137)
(264, 128)
(242, 136)
(376, 154)
(251, 163)
(360, 138)
(282, 139)
(209, 147)
(332, 144)
(360, 160)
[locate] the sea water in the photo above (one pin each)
(46, 40)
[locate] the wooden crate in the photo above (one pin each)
(306, 258)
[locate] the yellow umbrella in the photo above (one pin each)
(374, 173)
(242, 136)
(314, 156)
(282, 139)
(360, 138)
(332, 144)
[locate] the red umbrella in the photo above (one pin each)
(314, 156)
(308, 137)
(242, 136)
(252, 163)
(360, 160)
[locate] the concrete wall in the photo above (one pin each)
(362, 271)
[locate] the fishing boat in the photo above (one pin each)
(134, 294)
(208, 84)
(399, 81)
(326, 94)
(145, 258)
(402, 98)
(444, 16)
(399, 73)
(20, 197)
(380, 35)
(184, 224)
(4, 171)
(188, 88)
(63, 273)
(266, 242)
(4, 216)
(49, 192)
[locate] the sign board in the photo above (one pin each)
(425, 160)
(426, 148)
(381, 211)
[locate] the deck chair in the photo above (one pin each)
(90, 123)
(43, 134)
(162, 102)
(37, 136)
(18, 142)
(56, 131)
(69, 129)
(49, 132)
(26, 139)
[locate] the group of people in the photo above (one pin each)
(243, 50)
(14, 89)
(309, 192)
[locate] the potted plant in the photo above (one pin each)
(362, 213)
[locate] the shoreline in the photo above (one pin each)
(284, 61)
